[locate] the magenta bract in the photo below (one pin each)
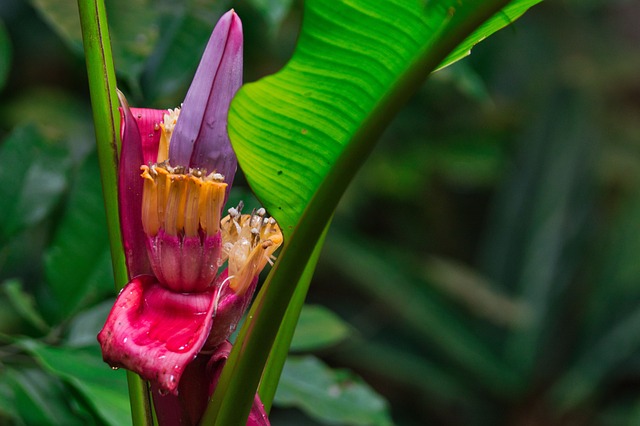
(140, 136)
(156, 332)
(200, 380)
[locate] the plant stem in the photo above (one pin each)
(104, 103)
(280, 349)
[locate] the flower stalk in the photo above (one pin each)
(104, 104)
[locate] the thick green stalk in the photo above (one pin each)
(231, 402)
(104, 103)
(280, 349)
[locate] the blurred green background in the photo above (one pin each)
(481, 269)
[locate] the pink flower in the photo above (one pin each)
(175, 170)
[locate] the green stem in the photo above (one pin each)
(104, 103)
(280, 350)
(232, 399)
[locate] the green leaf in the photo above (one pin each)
(542, 217)
(318, 328)
(7, 404)
(85, 326)
(414, 305)
(24, 304)
(134, 30)
(274, 10)
(173, 63)
(77, 263)
(62, 16)
(39, 399)
(57, 115)
(503, 18)
(580, 383)
(38, 170)
(330, 396)
(282, 342)
(301, 135)
(5, 55)
(105, 390)
(409, 370)
(352, 58)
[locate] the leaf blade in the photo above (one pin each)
(265, 122)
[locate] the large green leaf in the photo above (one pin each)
(318, 328)
(39, 399)
(104, 390)
(57, 115)
(301, 134)
(77, 264)
(353, 59)
(38, 171)
(333, 397)
(134, 24)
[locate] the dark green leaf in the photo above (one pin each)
(273, 10)
(40, 399)
(77, 263)
(174, 62)
(24, 304)
(5, 55)
(134, 24)
(57, 115)
(330, 396)
(542, 220)
(38, 170)
(409, 370)
(318, 328)
(63, 18)
(85, 326)
(105, 390)
(584, 379)
(381, 275)
(8, 409)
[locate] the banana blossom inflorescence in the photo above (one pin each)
(171, 322)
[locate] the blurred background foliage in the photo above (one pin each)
(481, 269)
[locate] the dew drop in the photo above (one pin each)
(114, 368)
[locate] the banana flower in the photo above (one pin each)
(171, 322)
